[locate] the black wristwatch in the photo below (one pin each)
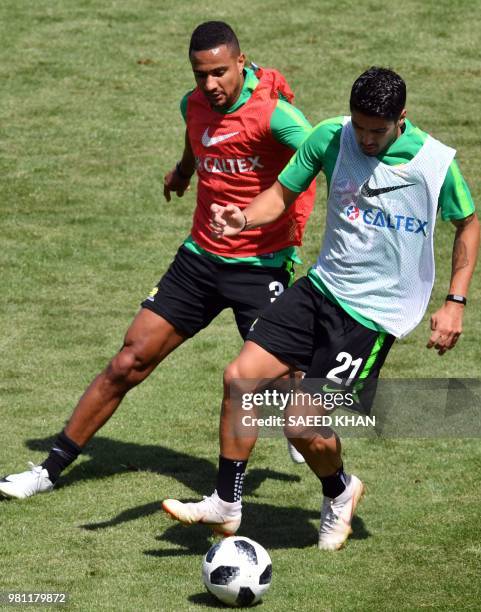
(459, 299)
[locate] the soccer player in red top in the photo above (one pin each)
(241, 130)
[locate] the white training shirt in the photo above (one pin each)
(377, 255)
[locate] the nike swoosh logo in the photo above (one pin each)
(368, 192)
(208, 141)
(328, 389)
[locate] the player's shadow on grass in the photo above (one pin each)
(256, 478)
(276, 526)
(108, 457)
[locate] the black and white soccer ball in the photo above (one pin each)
(237, 570)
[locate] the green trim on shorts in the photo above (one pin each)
(291, 271)
(371, 360)
(269, 260)
(321, 287)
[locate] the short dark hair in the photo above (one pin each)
(379, 92)
(212, 34)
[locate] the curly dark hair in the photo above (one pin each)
(212, 34)
(379, 92)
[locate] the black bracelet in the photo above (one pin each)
(182, 175)
(459, 299)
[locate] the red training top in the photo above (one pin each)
(237, 158)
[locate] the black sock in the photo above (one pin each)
(334, 485)
(230, 479)
(64, 451)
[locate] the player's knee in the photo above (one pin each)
(236, 384)
(126, 366)
(324, 443)
(232, 375)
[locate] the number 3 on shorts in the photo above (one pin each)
(276, 288)
(346, 362)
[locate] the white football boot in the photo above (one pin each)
(294, 454)
(223, 517)
(337, 513)
(26, 484)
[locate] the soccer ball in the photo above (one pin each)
(237, 571)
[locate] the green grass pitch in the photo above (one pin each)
(89, 124)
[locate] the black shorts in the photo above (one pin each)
(307, 331)
(195, 289)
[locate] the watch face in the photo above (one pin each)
(456, 298)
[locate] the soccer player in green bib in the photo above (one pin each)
(371, 284)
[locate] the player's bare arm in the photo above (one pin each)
(265, 208)
(447, 322)
(178, 178)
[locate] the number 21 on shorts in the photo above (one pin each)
(347, 362)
